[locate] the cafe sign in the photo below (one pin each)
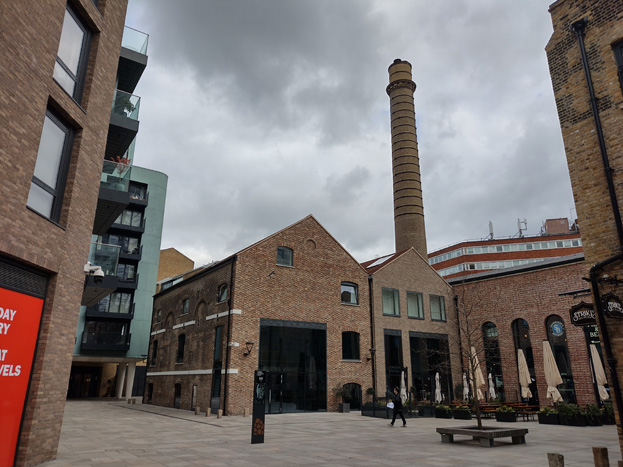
(612, 305)
(582, 314)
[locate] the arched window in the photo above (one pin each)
(221, 293)
(493, 358)
(557, 336)
(521, 337)
(181, 342)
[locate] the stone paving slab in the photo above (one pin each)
(105, 433)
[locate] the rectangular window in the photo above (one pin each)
(391, 302)
(129, 217)
(138, 191)
(72, 56)
(284, 256)
(350, 346)
(154, 353)
(618, 55)
(349, 293)
(48, 181)
(181, 344)
(437, 308)
(415, 308)
(185, 306)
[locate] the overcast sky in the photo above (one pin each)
(264, 111)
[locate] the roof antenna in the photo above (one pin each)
(490, 230)
(525, 226)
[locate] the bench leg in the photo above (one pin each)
(486, 442)
(447, 438)
(519, 440)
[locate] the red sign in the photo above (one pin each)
(20, 316)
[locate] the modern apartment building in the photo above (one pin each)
(556, 239)
(59, 66)
(115, 319)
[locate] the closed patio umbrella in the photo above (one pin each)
(552, 375)
(524, 375)
(403, 389)
(465, 387)
(438, 397)
(492, 393)
(480, 380)
(600, 376)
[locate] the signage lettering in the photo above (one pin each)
(582, 314)
(20, 316)
(613, 306)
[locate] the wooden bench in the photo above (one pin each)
(485, 436)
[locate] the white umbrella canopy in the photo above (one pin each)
(552, 375)
(480, 380)
(403, 389)
(524, 375)
(492, 393)
(600, 375)
(438, 397)
(465, 387)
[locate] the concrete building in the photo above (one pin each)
(469, 257)
(114, 323)
(585, 55)
(56, 89)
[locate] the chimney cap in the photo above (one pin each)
(399, 61)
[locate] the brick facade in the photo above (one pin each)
(30, 32)
(172, 263)
(532, 296)
(602, 32)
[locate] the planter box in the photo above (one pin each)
(549, 419)
(462, 414)
(506, 417)
(607, 419)
(443, 414)
(343, 407)
(592, 421)
(578, 420)
(380, 412)
(426, 411)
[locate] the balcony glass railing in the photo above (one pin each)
(116, 176)
(102, 338)
(126, 104)
(106, 256)
(135, 40)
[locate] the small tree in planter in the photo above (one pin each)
(505, 414)
(462, 412)
(593, 415)
(341, 394)
(548, 416)
(443, 411)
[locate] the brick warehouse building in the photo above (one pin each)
(519, 308)
(55, 107)
(295, 304)
(585, 55)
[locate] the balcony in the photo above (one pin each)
(133, 59)
(113, 197)
(135, 255)
(123, 125)
(130, 228)
(103, 340)
(96, 288)
(97, 311)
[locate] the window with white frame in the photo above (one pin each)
(349, 293)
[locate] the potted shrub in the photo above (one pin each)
(593, 415)
(607, 413)
(548, 416)
(505, 414)
(425, 409)
(462, 412)
(341, 393)
(571, 414)
(443, 411)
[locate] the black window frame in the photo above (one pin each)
(351, 346)
(58, 193)
(83, 62)
(288, 249)
(617, 48)
(356, 293)
(442, 301)
(181, 345)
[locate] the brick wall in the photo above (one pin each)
(172, 263)
(586, 170)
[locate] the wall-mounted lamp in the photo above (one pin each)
(249, 346)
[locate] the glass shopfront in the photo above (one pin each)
(295, 356)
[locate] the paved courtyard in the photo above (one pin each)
(110, 433)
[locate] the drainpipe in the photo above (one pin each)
(229, 317)
(372, 348)
(578, 28)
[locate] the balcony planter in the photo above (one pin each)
(461, 414)
(443, 411)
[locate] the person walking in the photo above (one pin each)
(398, 408)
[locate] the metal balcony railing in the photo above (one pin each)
(135, 40)
(105, 256)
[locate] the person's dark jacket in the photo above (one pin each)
(397, 403)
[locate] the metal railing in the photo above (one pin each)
(135, 40)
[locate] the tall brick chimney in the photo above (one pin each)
(408, 206)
